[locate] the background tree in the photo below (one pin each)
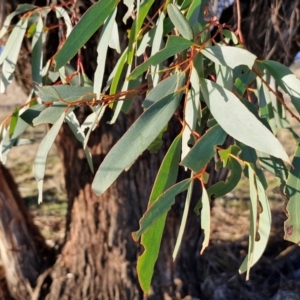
(98, 258)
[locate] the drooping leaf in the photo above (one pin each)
(292, 191)
(204, 149)
(93, 18)
(62, 13)
(22, 8)
(285, 79)
(50, 115)
(183, 219)
(138, 137)
(229, 56)
(205, 218)
(10, 54)
(260, 238)
(238, 121)
(150, 240)
(175, 44)
(161, 206)
(180, 22)
(102, 52)
(42, 153)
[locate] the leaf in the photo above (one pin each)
(50, 115)
(13, 121)
(65, 93)
(161, 206)
(180, 22)
(204, 149)
(42, 153)
(10, 54)
(260, 239)
(238, 121)
(221, 188)
(20, 9)
(37, 53)
(175, 45)
(166, 177)
(130, 5)
(183, 219)
(102, 52)
(229, 56)
(138, 137)
(292, 190)
(285, 79)
(164, 88)
(93, 18)
(205, 218)
(62, 13)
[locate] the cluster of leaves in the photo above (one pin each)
(215, 82)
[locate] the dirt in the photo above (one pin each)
(275, 274)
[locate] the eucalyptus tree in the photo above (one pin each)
(163, 98)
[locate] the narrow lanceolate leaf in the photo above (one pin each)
(175, 44)
(263, 230)
(292, 190)
(20, 9)
(238, 121)
(285, 79)
(138, 137)
(62, 13)
(180, 22)
(257, 240)
(205, 218)
(229, 56)
(50, 115)
(10, 54)
(151, 239)
(102, 52)
(184, 218)
(42, 153)
(248, 262)
(86, 27)
(204, 149)
(161, 206)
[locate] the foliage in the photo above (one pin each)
(216, 89)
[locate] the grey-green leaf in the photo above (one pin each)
(180, 22)
(238, 121)
(138, 137)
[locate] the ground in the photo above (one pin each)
(274, 276)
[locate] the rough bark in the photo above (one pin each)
(23, 250)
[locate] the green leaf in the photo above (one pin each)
(20, 9)
(164, 88)
(221, 188)
(229, 56)
(160, 207)
(238, 121)
(183, 219)
(166, 177)
(292, 190)
(205, 218)
(175, 45)
(285, 79)
(204, 149)
(102, 52)
(37, 53)
(62, 13)
(50, 115)
(180, 22)
(11, 52)
(138, 137)
(13, 121)
(65, 93)
(42, 153)
(260, 238)
(93, 18)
